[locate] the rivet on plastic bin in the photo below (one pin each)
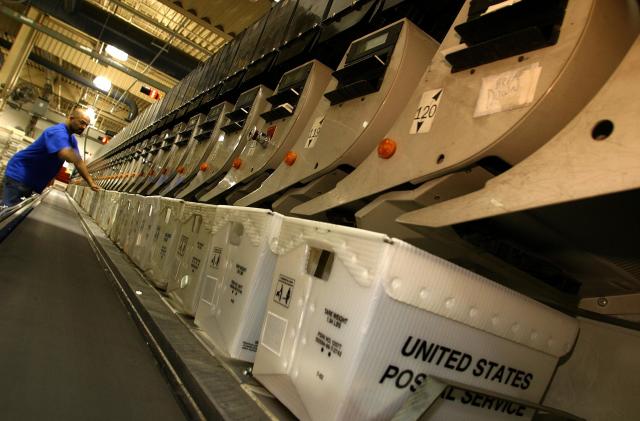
(449, 303)
(184, 281)
(396, 283)
(312, 307)
(495, 320)
(304, 340)
(473, 312)
(515, 328)
(424, 293)
(285, 364)
(295, 373)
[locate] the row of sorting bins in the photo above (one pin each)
(341, 323)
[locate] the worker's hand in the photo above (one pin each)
(95, 187)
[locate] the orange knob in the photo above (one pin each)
(204, 166)
(290, 158)
(164, 171)
(180, 170)
(386, 148)
(237, 163)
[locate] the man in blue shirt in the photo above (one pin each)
(31, 169)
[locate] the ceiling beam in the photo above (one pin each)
(198, 19)
(158, 25)
(83, 48)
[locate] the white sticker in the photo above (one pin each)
(314, 132)
(507, 91)
(426, 111)
(252, 149)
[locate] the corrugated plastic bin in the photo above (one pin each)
(357, 320)
(238, 278)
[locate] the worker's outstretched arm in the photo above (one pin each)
(70, 155)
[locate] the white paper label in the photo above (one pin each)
(251, 149)
(426, 111)
(507, 91)
(314, 132)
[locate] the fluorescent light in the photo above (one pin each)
(116, 53)
(91, 113)
(102, 83)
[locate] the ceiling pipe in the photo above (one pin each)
(114, 93)
(87, 50)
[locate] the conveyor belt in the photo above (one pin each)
(68, 348)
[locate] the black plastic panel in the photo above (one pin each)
(278, 21)
(525, 26)
(281, 111)
(308, 13)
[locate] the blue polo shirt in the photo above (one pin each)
(36, 165)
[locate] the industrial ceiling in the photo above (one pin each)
(165, 40)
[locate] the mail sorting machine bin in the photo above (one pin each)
(136, 222)
(292, 105)
(202, 146)
(183, 146)
(111, 212)
(164, 150)
(108, 209)
(128, 219)
(87, 198)
(141, 250)
(156, 148)
(241, 123)
(509, 104)
(371, 86)
(356, 321)
(209, 132)
(237, 279)
(163, 242)
(98, 201)
(124, 212)
(139, 168)
(72, 190)
(190, 256)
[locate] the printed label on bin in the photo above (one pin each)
(216, 255)
(284, 290)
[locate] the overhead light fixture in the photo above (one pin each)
(116, 53)
(102, 83)
(92, 113)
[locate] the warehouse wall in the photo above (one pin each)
(10, 117)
